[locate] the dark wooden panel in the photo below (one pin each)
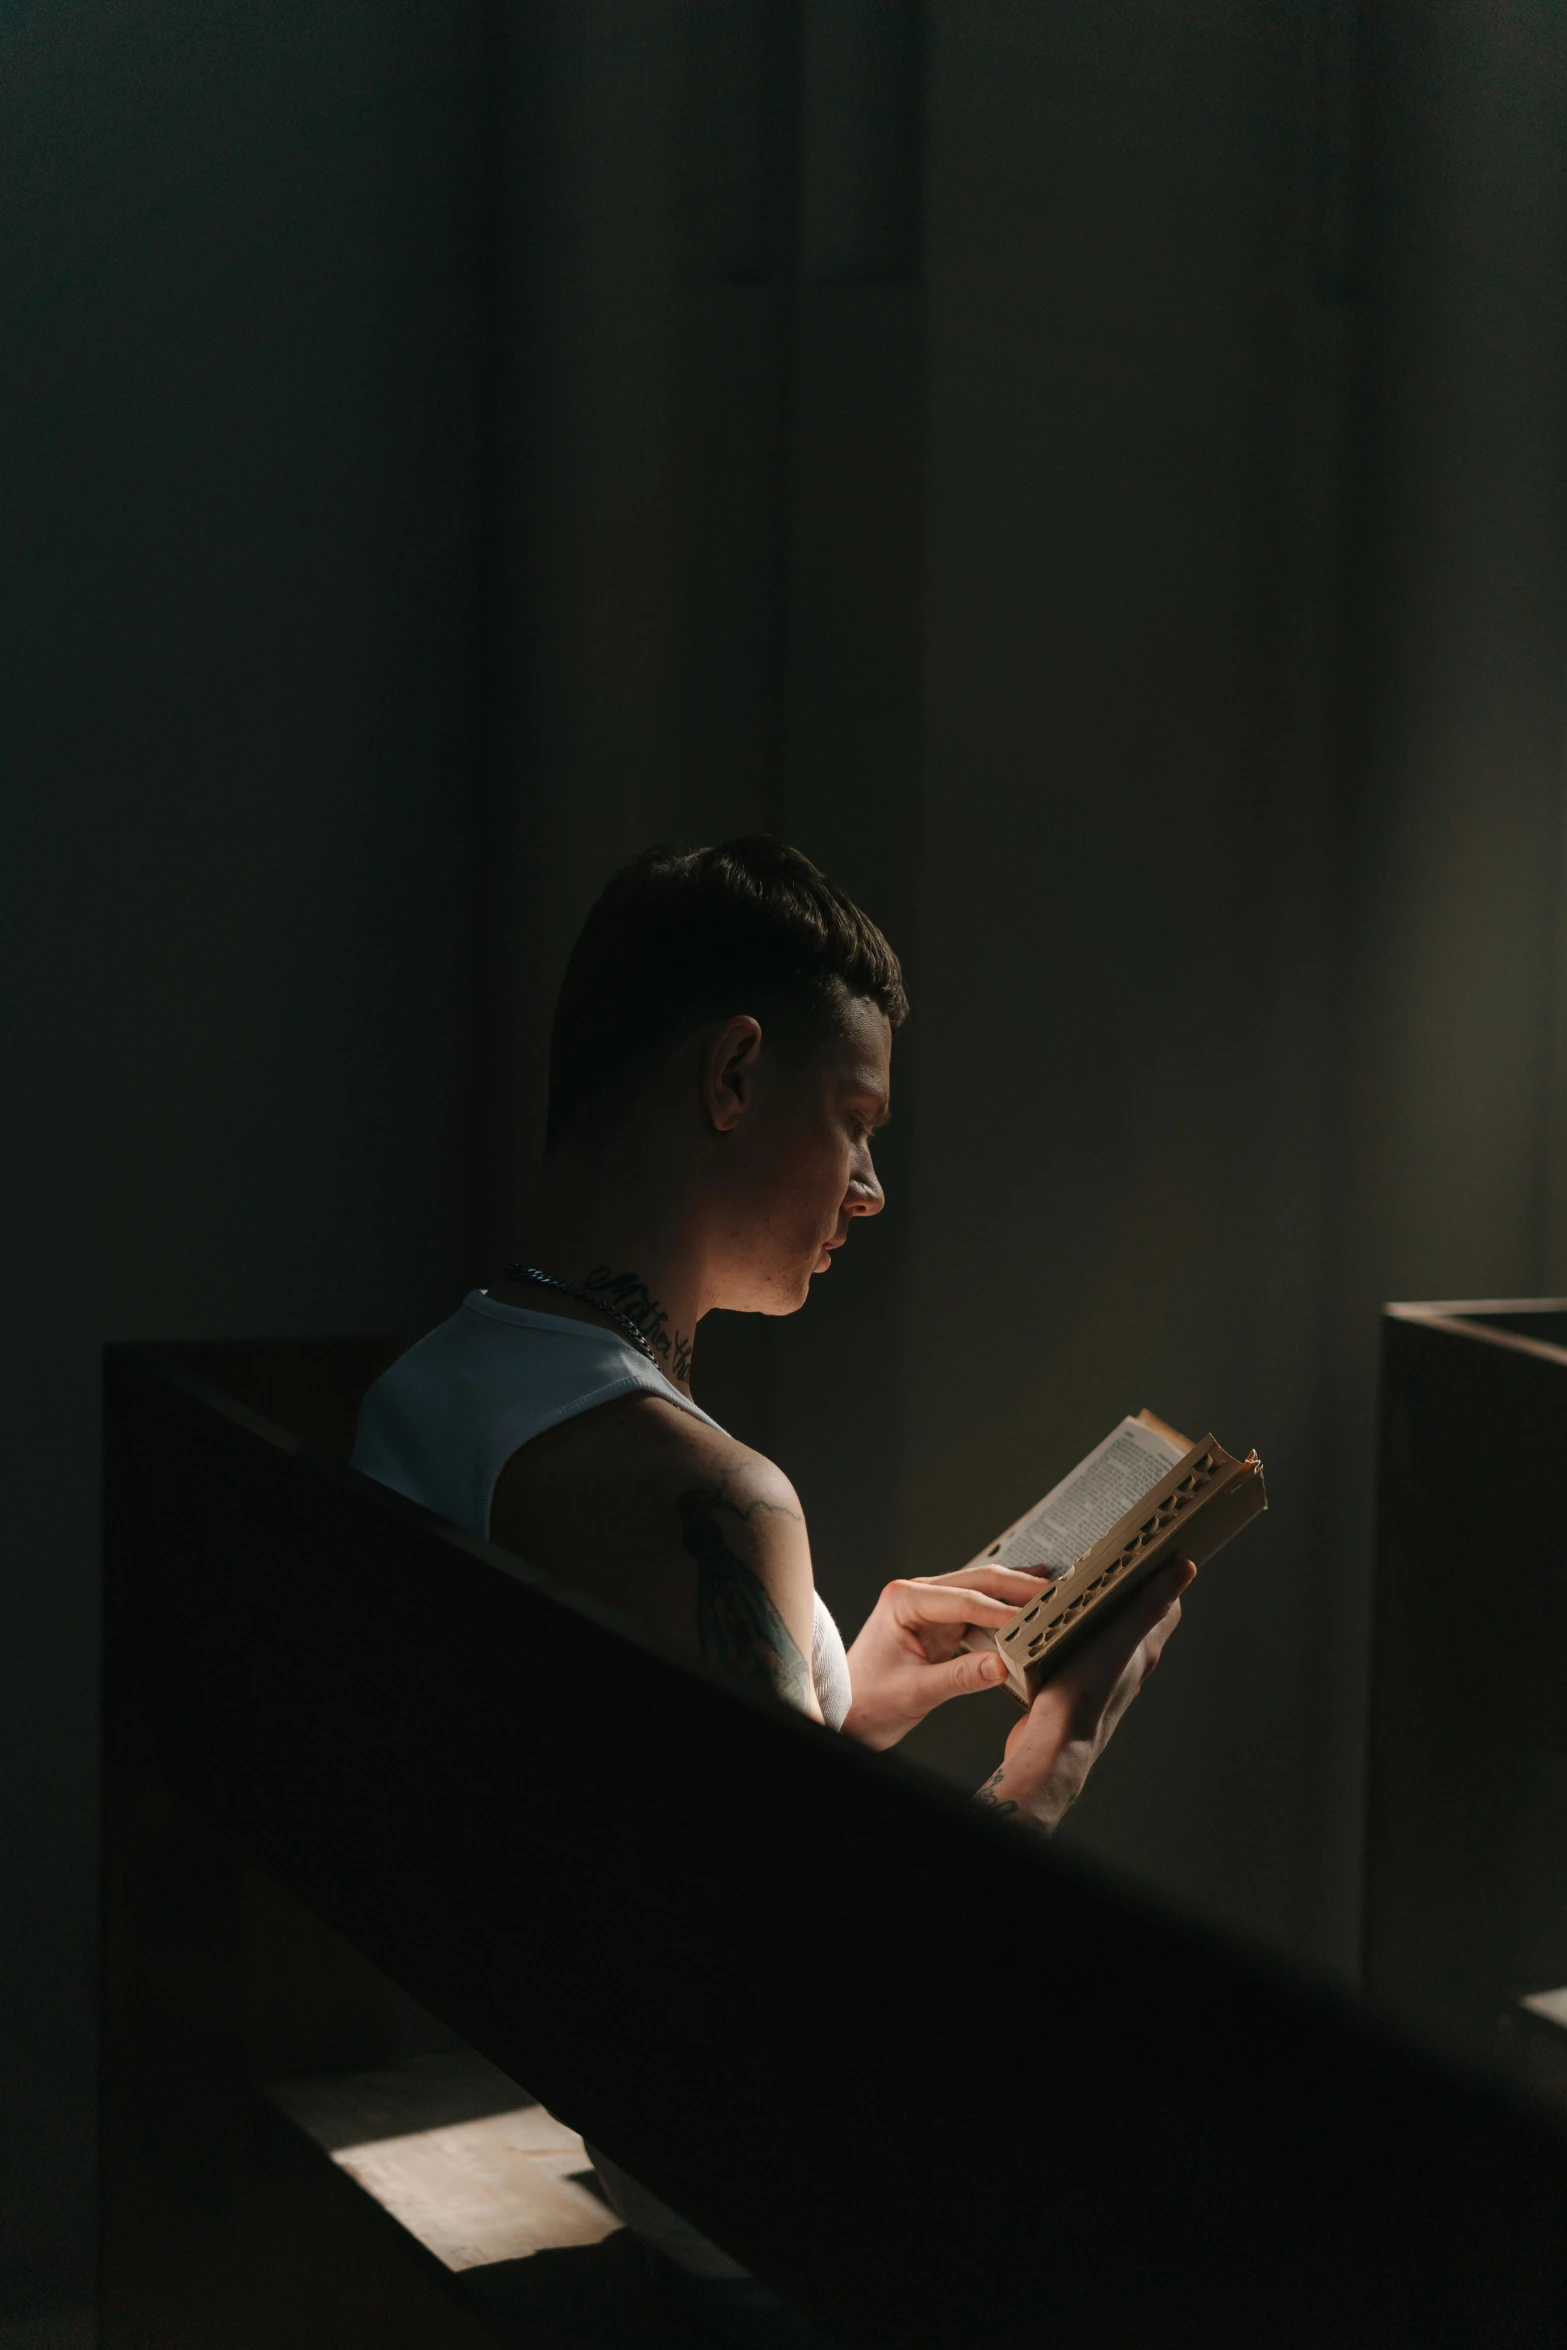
(688, 1920)
(1466, 1894)
(1545, 1323)
(221, 2224)
(309, 1387)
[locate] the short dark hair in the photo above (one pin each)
(683, 936)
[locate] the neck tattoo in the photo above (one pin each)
(629, 1296)
(628, 1301)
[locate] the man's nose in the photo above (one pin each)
(866, 1197)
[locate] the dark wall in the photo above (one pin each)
(1450, 1178)
(1241, 909)
(237, 731)
(1128, 906)
(712, 481)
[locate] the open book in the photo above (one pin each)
(1143, 1496)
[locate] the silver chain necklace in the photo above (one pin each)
(585, 1297)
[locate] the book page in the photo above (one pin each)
(1099, 1491)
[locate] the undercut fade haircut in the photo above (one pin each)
(681, 937)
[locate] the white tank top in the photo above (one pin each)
(440, 1426)
(442, 1423)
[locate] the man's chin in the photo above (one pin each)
(804, 1290)
(780, 1300)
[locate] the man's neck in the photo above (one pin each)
(626, 1256)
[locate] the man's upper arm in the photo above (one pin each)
(743, 1530)
(677, 1524)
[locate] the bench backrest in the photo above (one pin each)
(933, 2079)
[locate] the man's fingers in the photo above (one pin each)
(1145, 1614)
(1007, 1583)
(1001, 1582)
(1105, 1654)
(951, 1603)
(966, 1674)
(1166, 1624)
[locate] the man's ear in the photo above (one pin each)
(729, 1071)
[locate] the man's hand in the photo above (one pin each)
(1073, 1719)
(907, 1658)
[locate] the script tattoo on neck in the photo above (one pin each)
(629, 1294)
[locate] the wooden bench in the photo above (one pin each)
(377, 1794)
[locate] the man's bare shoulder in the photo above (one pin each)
(641, 1448)
(682, 1526)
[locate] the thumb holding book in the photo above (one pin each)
(930, 1638)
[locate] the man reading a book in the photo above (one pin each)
(721, 1060)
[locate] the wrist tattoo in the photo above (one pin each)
(990, 1796)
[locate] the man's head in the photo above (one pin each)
(732, 1003)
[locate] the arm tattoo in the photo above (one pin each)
(737, 1624)
(630, 1295)
(989, 1795)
